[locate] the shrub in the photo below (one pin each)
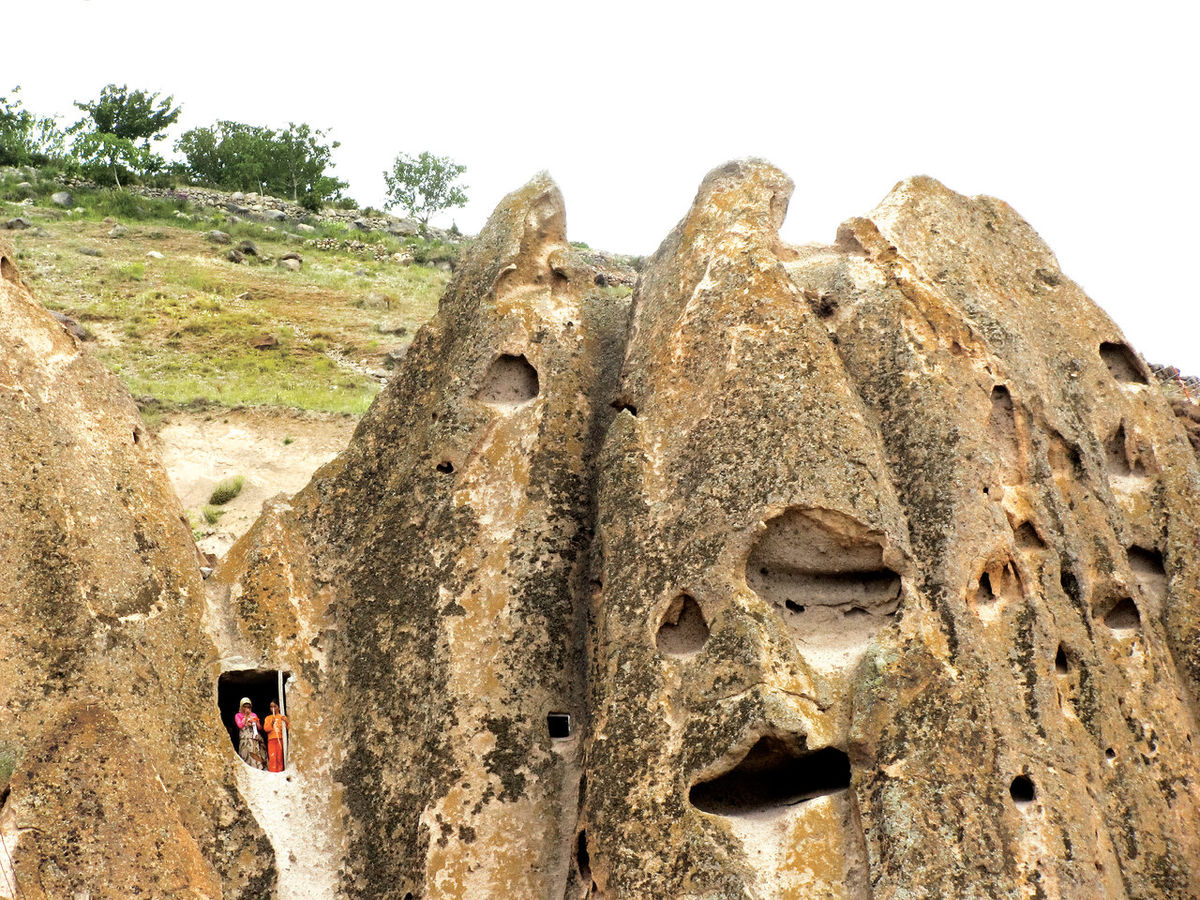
(212, 514)
(226, 490)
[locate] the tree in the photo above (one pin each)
(424, 185)
(120, 129)
(289, 163)
(25, 138)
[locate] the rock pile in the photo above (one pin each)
(859, 570)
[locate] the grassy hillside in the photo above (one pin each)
(182, 329)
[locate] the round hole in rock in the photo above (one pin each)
(446, 467)
(1022, 791)
(559, 725)
(510, 381)
(1110, 753)
(683, 629)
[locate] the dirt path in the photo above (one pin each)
(203, 448)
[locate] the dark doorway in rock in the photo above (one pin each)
(775, 774)
(261, 686)
(559, 725)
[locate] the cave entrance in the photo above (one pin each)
(260, 686)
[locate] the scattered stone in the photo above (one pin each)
(305, 228)
(24, 186)
(292, 254)
(404, 259)
(360, 272)
(118, 231)
(274, 215)
(218, 237)
(235, 256)
(237, 197)
(17, 224)
(248, 248)
(404, 228)
(393, 358)
(72, 326)
(233, 220)
(292, 265)
(154, 254)
(264, 342)
(62, 198)
(391, 328)
(361, 225)
(90, 251)
(244, 295)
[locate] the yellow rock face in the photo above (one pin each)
(860, 570)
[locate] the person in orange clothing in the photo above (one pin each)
(275, 726)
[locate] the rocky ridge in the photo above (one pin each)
(859, 570)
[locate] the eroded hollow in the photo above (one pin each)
(775, 774)
(1122, 363)
(1062, 663)
(510, 381)
(682, 630)
(8, 271)
(825, 573)
(1123, 617)
(1002, 427)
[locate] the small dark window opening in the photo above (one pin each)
(446, 467)
(623, 403)
(559, 725)
(582, 859)
(1022, 791)
(1110, 753)
(1061, 663)
(1124, 616)
(260, 686)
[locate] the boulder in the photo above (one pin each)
(154, 254)
(63, 199)
(292, 265)
(118, 231)
(218, 237)
(274, 215)
(305, 228)
(91, 251)
(235, 256)
(248, 248)
(17, 224)
(71, 326)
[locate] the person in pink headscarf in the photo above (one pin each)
(251, 748)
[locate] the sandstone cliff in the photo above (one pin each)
(860, 570)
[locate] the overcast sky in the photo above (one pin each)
(1080, 115)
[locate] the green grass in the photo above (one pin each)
(226, 490)
(212, 514)
(178, 330)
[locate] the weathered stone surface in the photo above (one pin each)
(861, 570)
(106, 674)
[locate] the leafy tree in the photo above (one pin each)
(424, 185)
(120, 129)
(288, 163)
(25, 138)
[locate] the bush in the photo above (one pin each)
(212, 514)
(225, 491)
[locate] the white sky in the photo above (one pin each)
(1080, 115)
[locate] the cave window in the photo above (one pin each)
(261, 686)
(559, 725)
(1022, 791)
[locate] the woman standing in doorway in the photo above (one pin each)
(250, 742)
(276, 726)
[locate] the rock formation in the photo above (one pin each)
(863, 570)
(113, 770)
